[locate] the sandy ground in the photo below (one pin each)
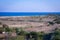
(29, 25)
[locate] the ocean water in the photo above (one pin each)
(27, 13)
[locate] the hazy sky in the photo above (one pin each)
(29, 5)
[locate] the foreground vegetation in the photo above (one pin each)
(21, 34)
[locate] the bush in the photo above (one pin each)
(41, 34)
(0, 23)
(57, 34)
(7, 29)
(57, 21)
(1, 30)
(51, 23)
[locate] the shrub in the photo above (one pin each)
(57, 34)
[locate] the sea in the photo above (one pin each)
(28, 13)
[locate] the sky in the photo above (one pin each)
(29, 5)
